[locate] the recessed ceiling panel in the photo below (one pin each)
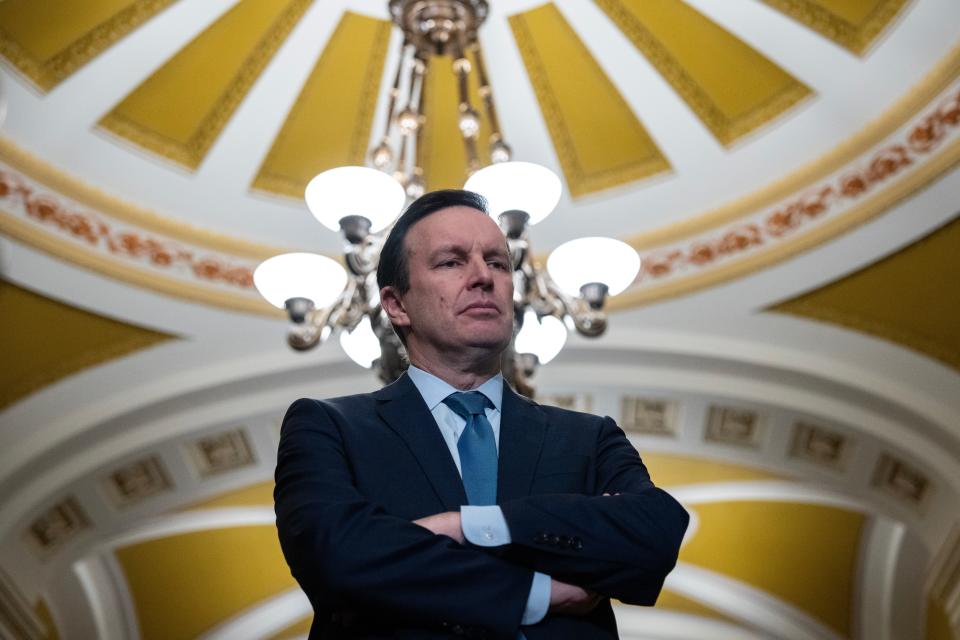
(730, 86)
(329, 124)
(671, 470)
(183, 585)
(180, 110)
(909, 297)
(47, 40)
(43, 340)
(784, 548)
(598, 139)
(853, 24)
(673, 601)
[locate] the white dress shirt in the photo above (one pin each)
(482, 526)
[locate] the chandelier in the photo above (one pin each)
(322, 297)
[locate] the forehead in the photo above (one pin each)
(462, 226)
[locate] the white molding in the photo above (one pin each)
(264, 618)
(743, 602)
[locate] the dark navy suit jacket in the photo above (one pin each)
(354, 472)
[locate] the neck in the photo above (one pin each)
(464, 373)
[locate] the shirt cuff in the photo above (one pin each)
(538, 601)
(484, 526)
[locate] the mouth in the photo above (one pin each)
(481, 308)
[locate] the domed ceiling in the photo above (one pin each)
(787, 357)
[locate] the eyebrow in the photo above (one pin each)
(460, 250)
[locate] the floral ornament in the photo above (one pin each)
(886, 163)
(48, 210)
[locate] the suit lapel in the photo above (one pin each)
(403, 409)
(522, 429)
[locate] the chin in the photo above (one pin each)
(493, 342)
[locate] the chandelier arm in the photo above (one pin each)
(422, 110)
(395, 91)
(342, 305)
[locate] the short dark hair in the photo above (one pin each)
(394, 269)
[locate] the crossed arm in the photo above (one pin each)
(347, 552)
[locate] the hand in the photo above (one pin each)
(570, 599)
(443, 524)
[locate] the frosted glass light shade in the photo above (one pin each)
(544, 337)
(584, 260)
(354, 191)
(517, 185)
(300, 275)
(361, 344)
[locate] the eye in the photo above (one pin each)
(499, 264)
(449, 263)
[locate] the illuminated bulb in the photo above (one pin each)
(354, 191)
(299, 275)
(416, 187)
(469, 123)
(408, 121)
(542, 337)
(500, 152)
(382, 156)
(587, 260)
(361, 344)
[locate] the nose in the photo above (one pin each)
(481, 274)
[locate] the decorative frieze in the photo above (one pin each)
(734, 425)
(57, 526)
(221, 452)
(819, 445)
(649, 416)
(137, 481)
(573, 401)
(901, 480)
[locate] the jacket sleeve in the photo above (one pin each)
(348, 553)
(621, 545)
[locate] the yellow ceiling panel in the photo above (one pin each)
(731, 87)
(669, 470)
(185, 584)
(853, 24)
(909, 297)
(46, 619)
(254, 495)
(598, 139)
(804, 554)
(298, 629)
(442, 153)
(673, 601)
(180, 110)
(329, 125)
(43, 340)
(938, 623)
(47, 40)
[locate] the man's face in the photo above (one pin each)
(461, 285)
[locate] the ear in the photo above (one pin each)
(393, 304)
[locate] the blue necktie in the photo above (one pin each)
(477, 447)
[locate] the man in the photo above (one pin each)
(445, 504)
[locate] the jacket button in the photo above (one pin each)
(554, 539)
(540, 538)
(565, 542)
(577, 544)
(457, 630)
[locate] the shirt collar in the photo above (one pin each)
(434, 390)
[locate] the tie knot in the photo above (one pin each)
(467, 403)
